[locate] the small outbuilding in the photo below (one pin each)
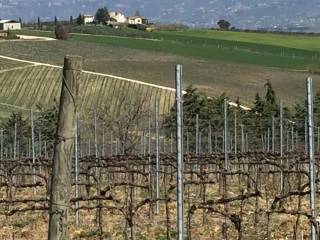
(135, 20)
(88, 18)
(9, 25)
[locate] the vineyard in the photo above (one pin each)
(244, 202)
(120, 160)
(7, 64)
(126, 188)
(95, 89)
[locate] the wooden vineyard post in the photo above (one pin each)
(63, 152)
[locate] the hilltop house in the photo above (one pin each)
(135, 20)
(88, 19)
(118, 17)
(9, 25)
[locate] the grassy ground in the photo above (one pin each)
(268, 50)
(273, 39)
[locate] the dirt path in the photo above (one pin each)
(15, 68)
(114, 36)
(104, 35)
(94, 73)
(36, 38)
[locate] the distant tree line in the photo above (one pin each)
(210, 111)
(234, 29)
(45, 122)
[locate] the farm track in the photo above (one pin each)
(15, 68)
(113, 36)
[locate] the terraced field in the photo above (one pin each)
(8, 64)
(36, 84)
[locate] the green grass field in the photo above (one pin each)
(274, 39)
(263, 49)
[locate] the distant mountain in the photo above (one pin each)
(253, 14)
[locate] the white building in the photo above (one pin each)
(135, 20)
(118, 17)
(88, 19)
(9, 25)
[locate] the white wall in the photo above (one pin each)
(11, 26)
(119, 17)
(135, 21)
(88, 19)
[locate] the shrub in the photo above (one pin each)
(61, 33)
(137, 26)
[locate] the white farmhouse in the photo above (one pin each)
(135, 20)
(9, 25)
(88, 19)
(118, 17)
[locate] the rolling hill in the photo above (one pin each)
(236, 63)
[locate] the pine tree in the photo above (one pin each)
(102, 15)
(61, 33)
(258, 104)
(39, 23)
(270, 104)
(270, 93)
(80, 19)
